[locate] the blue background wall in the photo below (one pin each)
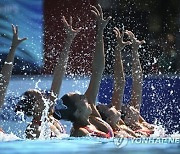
(28, 15)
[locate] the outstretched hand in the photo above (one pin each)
(135, 42)
(71, 33)
(16, 40)
(97, 11)
(119, 36)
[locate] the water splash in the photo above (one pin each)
(159, 131)
(175, 135)
(8, 137)
(45, 126)
(37, 84)
(21, 115)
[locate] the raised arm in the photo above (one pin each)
(60, 68)
(6, 71)
(119, 77)
(137, 74)
(99, 58)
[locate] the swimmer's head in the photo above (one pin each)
(31, 103)
(109, 114)
(76, 108)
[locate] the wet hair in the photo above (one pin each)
(103, 115)
(67, 112)
(26, 104)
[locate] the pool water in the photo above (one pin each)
(87, 145)
(15, 142)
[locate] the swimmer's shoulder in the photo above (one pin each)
(79, 132)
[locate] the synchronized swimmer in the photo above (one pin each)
(87, 118)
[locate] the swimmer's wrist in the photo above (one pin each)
(13, 47)
(14, 44)
(135, 47)
(100, 30)
(69, 39)
(119, 47)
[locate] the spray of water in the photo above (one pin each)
(8, 137)
(45, 126)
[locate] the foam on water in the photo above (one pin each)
(159, 131)
(8, 137)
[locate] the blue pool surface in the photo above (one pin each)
(19, 84)
(86, 145)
